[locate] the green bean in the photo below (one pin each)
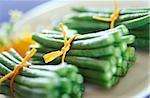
(15, 54)
(85, 44)
(108, 50)
(10, 57)
(89, 16)
(89, 63)
(27, 81)
(6, 91)
(92, 74)
(26, 71)
(110, 11)
(129, 39)
(140, 42)
(135, 23)
(108, 84)
(98, 52)
(116, 32)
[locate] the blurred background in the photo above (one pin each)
(22, 5)
(10, 12)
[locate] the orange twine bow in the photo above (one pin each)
(67, 44)
(113, 17)
(16, 71)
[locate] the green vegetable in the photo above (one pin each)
(102, 57)
(97, 52)
(89, 63)
(89, 16)
(6, 90)
(116, 32)
(135, 23)
(81, 44)
(56, 82)
(136, 20)
(110, 11)
(129, 39)
(15, 54)
(108, 50)
(140, 42)
(92, 74)
(108, 84)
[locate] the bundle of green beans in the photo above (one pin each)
(47, 81)
(102, 57)
(136, 20)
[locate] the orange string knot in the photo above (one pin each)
(67, 45)
(12, 75)
(113, 17)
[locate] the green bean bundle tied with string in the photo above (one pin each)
(102, 57)
(46, 81)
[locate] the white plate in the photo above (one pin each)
(136, 84)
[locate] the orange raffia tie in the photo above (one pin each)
(67, 44)
(113, 17)
(16, 70)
